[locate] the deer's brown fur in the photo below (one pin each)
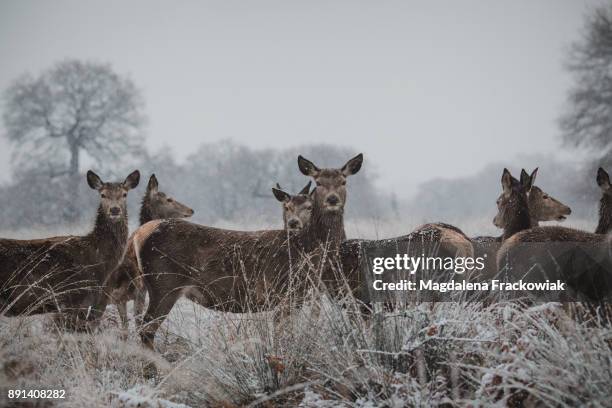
(68, 274)
(238, 270)
(518, 253)
(127, 278)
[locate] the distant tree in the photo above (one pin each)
(71, 108)
(587, 121)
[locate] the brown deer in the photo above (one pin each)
(127, 281)
(330, 198)
(564, 234)
(542, 207)
(237, 271)
(443, 240)
(523, 250)
(68, 274)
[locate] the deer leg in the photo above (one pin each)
(160, 305)
(139, 304)
(122, 308)
(96, 309)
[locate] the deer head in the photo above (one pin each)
(513, 199)
(297, 209)
(113, 196)
(330, 190)
(542, 207)
(161, 205)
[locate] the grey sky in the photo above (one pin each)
(425, 89)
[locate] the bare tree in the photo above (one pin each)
(588, 119)
(71, 108)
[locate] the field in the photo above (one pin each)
(464, 354)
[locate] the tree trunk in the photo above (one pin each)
(72, 210)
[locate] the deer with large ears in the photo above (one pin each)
(297, 209)
(453, 239)
(542, 207)
(519, 251)
(330, 198)
(127, 279)
(238, 271)
(68, 274)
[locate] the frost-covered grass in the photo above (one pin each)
(463, 354)
(427, 354)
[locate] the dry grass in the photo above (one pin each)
(463, 354)
(426, 354)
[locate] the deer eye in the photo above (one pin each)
(344, 182)
(318, 184)
(169, 200)
(124, 195)
(103, 195)
(545, 196)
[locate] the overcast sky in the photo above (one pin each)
(425, 89)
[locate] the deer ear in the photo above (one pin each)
(527, 180)
(307, 167)
(306, 189)
(524, 177)
(94, 180)
(281, 195)
(534, 173)
(506, 181)
(153, 185)
(132, 180)
(353, 166)
(603, 179)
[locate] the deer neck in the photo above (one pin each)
(532, 206)
(110, 237)
(326, 228)
(520, 219)
(605, 215)
(146, 213)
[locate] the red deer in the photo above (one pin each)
(521, 251)
(452, 241)
(237, 271)
(68, 274)
(127, 282)
(542, 207)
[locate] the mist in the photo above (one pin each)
(426, 91)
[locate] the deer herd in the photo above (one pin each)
(168, 257)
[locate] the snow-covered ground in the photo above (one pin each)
(466, 354)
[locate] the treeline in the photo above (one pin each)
(221, 181)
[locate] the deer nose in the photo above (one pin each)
(114, 211)
(332, 200)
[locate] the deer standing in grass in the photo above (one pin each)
(238, 271)
(68, 274)
(523, 250)
(127, 279)
(541, 205)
